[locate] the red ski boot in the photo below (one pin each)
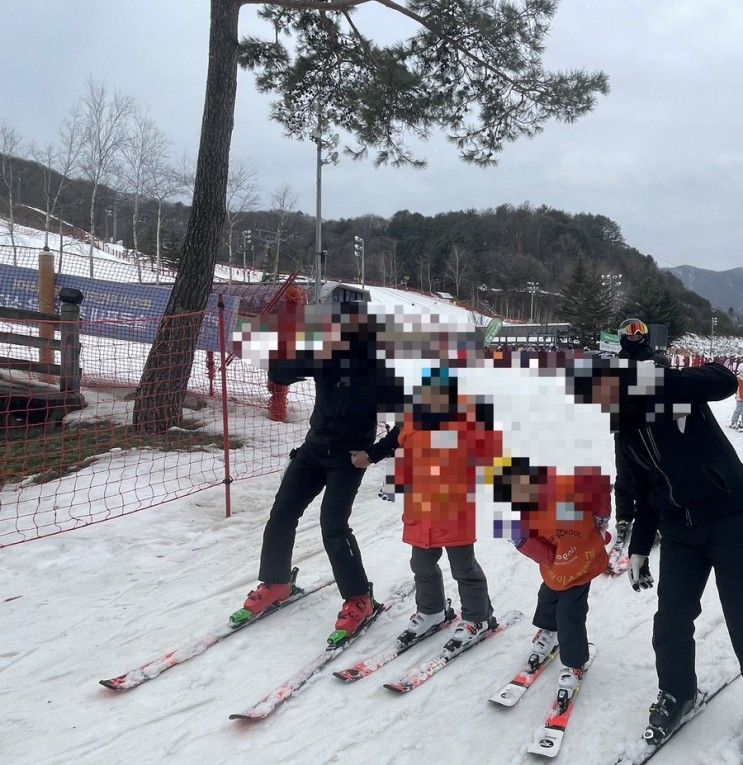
(353, 615)
(265, 596)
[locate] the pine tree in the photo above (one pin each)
(585, 303)
(653, 302)
(473, 69)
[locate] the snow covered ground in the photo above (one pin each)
(95, 602)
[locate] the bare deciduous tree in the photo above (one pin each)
(283, 204)
(457, 267)
(242, 195)
(10, 142)
(143, 147)
(58, 163)
(186, 172)
(165, 183)
(105, 121)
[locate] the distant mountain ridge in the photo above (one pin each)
(724, 289)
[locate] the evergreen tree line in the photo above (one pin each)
(520, 262)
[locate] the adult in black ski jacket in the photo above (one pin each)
(688, 482)
(351, 386)
(634, 347)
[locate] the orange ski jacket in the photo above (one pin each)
(438, 471)
(562, 535)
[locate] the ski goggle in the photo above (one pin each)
(634, 328)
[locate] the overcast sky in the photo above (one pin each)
(662, 154)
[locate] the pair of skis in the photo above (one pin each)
(548, 739)
(419, 674)
(286, 690)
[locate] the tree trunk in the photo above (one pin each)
(276, 257)
(135, 236)
(159, 401)
(93, 195)
(157, 240)
(11, 220)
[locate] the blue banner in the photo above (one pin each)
(120, 310)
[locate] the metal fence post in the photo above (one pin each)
(225, 420)
(69, 363)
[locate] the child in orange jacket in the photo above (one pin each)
(563, 528)
(443, 441)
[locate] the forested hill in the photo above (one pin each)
(492, 258)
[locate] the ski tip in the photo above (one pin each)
(396, 687)
(114, 684)
(348, 675)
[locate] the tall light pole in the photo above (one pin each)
(358, 251)
(247, 240)
(712, 336)
(330, 157)
(113, 215)
(532, 289)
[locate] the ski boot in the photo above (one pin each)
(542, 646)
(354, 614)
(466, 633)
(421, 625)
(265, 597)
(666, 714)
(569, 680)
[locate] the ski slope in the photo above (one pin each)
(96, 602)
(111, 262)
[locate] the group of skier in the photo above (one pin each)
(677, 476)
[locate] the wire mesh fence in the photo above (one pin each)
(96, 465)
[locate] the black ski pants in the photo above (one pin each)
(687, 555)
(564, 612)
(429, 581)
(309, 471)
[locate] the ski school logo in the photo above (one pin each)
(566, 557)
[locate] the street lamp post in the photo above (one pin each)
(532, 288)
(326, 145)
(247, 241)
(712, 336)
(358, 251)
